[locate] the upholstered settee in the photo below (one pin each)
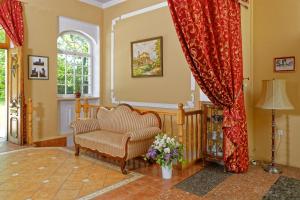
(122, 133)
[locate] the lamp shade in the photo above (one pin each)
(274, 96)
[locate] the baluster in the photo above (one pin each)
(197, 137)
(77, 108)
(164, 123)
(192, 140)
(29, 111)
(187, 139)
(171, 118)
(86, 108)
(180, 123)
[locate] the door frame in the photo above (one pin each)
(6, 47)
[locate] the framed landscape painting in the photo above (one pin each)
(147, 57)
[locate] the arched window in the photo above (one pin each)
(74, 60)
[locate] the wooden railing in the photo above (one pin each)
(180, 123)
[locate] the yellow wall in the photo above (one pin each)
(167, 89)
(246, 14)
(277, 34)
(41, 29)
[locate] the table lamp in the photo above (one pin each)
(274, 98)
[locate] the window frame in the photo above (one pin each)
(89, 56)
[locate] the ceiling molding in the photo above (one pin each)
(102, 5)
(112, 3)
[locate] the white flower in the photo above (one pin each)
(167, 150)
(168, 140)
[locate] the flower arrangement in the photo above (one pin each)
(165, 150)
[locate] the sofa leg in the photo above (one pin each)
(77, 149)
(123, 165)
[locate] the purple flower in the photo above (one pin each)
(151, 153)
(167, 157)
(175, 152)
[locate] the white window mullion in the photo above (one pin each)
(66, 57)
(82, 77)
(74, 75)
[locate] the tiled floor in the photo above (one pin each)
(54, 173)
(6, 146)
(250, 186)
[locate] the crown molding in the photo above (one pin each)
(102, 5)
(112, 3)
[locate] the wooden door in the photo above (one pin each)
(15, 97)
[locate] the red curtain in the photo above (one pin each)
(11, 19)
(210, 35)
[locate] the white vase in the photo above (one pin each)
(166, 172)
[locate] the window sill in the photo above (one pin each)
(73, 98)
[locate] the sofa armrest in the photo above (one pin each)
(84, 126)
(144, 134)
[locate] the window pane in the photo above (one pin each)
(73, 42)
(2, 35)
(60, 69)
(60, 89)
(85, 70)
(2, 76)
(78, 83)
(61, 79)
(85, 89)
(70, 89)
(70, 79)
(85, 79)
(78, 70)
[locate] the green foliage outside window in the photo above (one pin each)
(2, 35)
(73, 64)
(2, 76)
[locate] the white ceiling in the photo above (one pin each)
(103, 3)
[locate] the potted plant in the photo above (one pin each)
(77, 89)
(165, 150)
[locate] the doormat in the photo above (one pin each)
(284, 188)
(204, 181)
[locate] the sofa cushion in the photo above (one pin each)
(103, 141)
(122, 119)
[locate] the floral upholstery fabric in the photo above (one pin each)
(11, 19)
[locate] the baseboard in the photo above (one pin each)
(60, 141)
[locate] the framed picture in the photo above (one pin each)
(284, 64)
(147, 57)
(38, 68)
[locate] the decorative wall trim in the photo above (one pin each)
(102, 5)
(189, 104)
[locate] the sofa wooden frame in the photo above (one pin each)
(122, 160)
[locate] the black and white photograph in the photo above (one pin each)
(38, 67)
